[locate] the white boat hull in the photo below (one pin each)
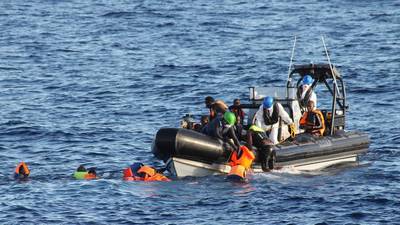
(180, 167)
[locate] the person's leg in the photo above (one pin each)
(273, 135)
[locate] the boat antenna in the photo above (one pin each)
(291, 57)
(330, 64)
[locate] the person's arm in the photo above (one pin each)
(319, 122)
(258, 118)
(218, 131)
(232, 134)
(284, 115)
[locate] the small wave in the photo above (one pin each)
(24, 130)
(357, 215)
(211, 23)
(168, 24)
(14, 122)
(65, 50)
(9, 68)
(118, 14)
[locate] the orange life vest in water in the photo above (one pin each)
(237, 172)
(145, 173)
(245, 158)
(240, 163)
(22, 170)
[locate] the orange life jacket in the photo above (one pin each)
(303, 121)
(150, 174)
(24, 168)
(146, 173)
(245, 159)
(237, 172)
(90, 176)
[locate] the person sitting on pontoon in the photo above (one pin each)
(204, 120)
(223, 129)
(312, 120)
(216, 107)
(305, 93)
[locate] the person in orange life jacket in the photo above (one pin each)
(131, 173)
(140, 172)
(223, 129)
(312, 120)
(239, 113)
(21, 171)
(216, 107)
(305, 93)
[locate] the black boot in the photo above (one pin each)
(265, 153)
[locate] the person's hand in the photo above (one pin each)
(293, 130)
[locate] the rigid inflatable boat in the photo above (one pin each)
(190, 153)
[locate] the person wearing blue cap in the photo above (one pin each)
(305, 93)
(267, 118)
(264, 131)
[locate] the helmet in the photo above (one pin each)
(230, 118)
(307, 79)
(268, 102)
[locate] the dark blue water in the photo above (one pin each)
(90, 82)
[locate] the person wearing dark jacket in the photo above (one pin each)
(239, 113)
(223, 129)
(215, 107)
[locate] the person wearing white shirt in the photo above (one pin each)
(267, 118)
(305, 93)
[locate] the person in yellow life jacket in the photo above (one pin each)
(140, 172)
(85, 174)
(21, 171)
(312, 120)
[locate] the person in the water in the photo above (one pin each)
(141, 172)
(85, 174)
(21, 171)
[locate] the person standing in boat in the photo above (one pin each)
(264, 131)
(267, 118)
(239, 113)
(222, 128)
(312, 120)
(216, 107)
(305, 93)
